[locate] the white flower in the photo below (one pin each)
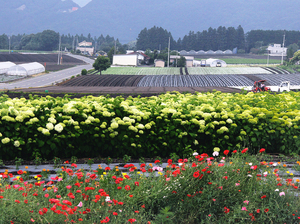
(5, 140)
(49, 126)
(249, 175)
(17, 143)
(250, 164)
(277, 190)
(58, 128)
(275, 164)
(265, 173)
(195, 154)
(215, 153)
(107, 199)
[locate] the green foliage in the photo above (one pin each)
(84, 72)
(147, 127)
(181, 62)
(101, 64)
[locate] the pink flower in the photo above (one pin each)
(59, 179)
(80, 204)
(244, 209)
(237, 184)
(168, 179)
(246, 202)
(69, 187)
(281, 193)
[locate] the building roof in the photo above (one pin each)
(141, 53)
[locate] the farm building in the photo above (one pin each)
(125, 60)
(26, 69)
(277, 50)
(211, 62)
(159, 63)
(142, 57)
(86, 47)
(4, 66)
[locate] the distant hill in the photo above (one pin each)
(125, 19)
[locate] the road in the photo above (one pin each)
(50, 78)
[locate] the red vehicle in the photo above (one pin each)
(259, 86)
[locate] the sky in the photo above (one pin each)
(82, 3)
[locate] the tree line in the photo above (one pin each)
(157, 38)
(48, 40)
(221, 38)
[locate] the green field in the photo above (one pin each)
(247, 61)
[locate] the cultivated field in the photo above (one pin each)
(191, 71)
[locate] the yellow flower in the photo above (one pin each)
(160, 173)
(297, 180)
(49, 188)
(26, 167)
(291, 174)
(104, 173)
(287, 171)
(18, 177)
(138, 172)
(44, 170)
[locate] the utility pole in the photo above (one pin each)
(9, 44)
(115, 47)
(73, 43)
(282, 48)
(169, 53)
(59, 49)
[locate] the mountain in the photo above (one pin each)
(125, 20)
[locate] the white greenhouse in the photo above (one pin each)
(4, 66)
(211, 62)
(26, 69)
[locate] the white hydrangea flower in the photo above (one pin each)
(49, 126)
(58, 128)
(17, 143)
(52, 120)
(5, 140)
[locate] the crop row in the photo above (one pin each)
(191, 71)
(181, 80)
(158, 125)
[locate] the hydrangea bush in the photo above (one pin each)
(148, 127)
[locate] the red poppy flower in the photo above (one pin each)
(262, 150)
(114, 213)
(20, 172)
(127, 188)
(131, 220)
(106, 220)
(245, 150)
(264, 196)
(258, 210)
(226, 210)
(17, 201)
(156, 161)
(234, 151)
(266, 210)
(136, 183)
(196, 174)
(226, 152)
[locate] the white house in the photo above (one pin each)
(277, 50)
(125, 60)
